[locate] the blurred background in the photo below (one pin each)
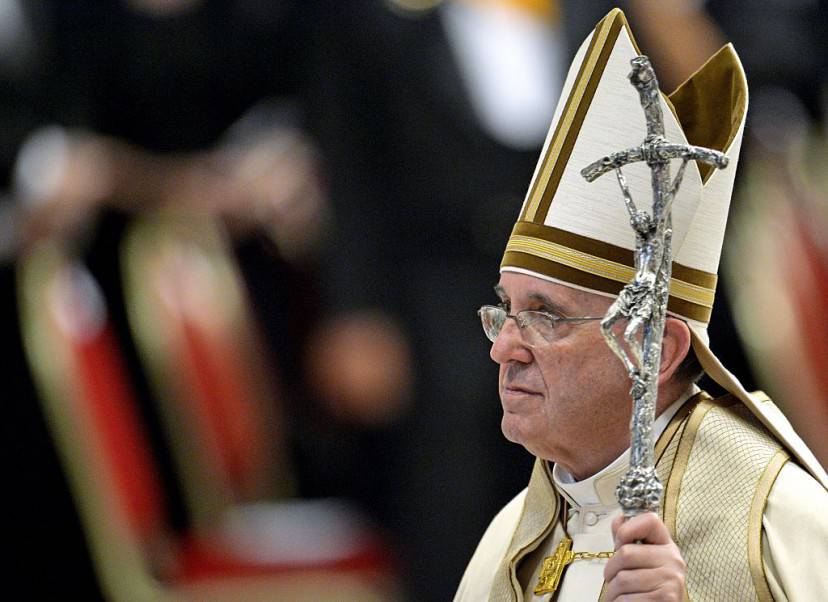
(242, 247)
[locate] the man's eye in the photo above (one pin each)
(553, 313)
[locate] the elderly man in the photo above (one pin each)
(742, 492)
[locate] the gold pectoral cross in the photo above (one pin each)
(553, 568)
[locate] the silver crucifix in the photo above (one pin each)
(643, 302)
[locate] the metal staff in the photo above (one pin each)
(643, 302)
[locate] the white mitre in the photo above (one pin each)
(578, 234)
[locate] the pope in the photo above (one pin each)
(743, 495)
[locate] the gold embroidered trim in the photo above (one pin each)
(603, 268)
(671, 493)
(523, 541)
(675, 424)
(757, 510)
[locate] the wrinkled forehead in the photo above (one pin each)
(524, 289)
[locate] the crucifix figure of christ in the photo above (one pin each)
(643, 301)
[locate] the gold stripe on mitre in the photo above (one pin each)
(601, 266)
(571, 119)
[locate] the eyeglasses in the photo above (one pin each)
(538, 328)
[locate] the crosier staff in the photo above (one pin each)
(643, 302)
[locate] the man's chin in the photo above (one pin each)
(512, 428)
(515, 429)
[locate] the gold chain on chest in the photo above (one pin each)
(554, 566)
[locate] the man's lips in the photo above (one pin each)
(515, 389)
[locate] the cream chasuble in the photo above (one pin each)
(789, 526)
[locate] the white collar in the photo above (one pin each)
(599, 489)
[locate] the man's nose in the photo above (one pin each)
(509, 344)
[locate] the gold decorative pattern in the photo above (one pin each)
(715, 485)
(553, 568)
(609, 251)
(572, 258)
(602, 267)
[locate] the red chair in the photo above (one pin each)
(218, 399)
(90, 407)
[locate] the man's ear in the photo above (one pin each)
(674, 348)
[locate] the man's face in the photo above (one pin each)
(567, 401)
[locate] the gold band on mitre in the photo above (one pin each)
(600, 266)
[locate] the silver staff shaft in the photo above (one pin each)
(641, 306)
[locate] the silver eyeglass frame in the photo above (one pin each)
(520, 319)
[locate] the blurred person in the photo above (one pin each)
(93, 157)
(144, 105)
(678, 35)
(64, 178)
(787, 273)
(742, 491)
(784, 50)
(428, 115)
(129, 106)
